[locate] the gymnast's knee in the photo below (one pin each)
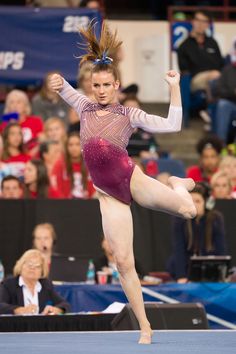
(124, 265)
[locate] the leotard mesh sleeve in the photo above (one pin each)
(73, 97)
(156, 124)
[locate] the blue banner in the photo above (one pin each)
(35, 41)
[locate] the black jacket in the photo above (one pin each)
(193, 58)
(11, 296)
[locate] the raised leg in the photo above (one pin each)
(118, 229)
(152, 194)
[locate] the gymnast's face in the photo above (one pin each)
(105, 87)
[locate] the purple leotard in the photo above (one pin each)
(104, 139)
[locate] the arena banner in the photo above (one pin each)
(35, 41)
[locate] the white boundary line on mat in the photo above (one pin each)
(169, 300)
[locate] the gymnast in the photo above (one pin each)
(106, 127)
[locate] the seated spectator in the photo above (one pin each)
(48, 103)
(29, 291)
(37, 182)
(13, 149)
(209, 149)
(17, 103)
(55, 130)
(202, 236)
(225, 91)
(11, 188)
(228, 166)
(199, 55)
(70, 175)
(44, 239)
(221, 186)
(49, 153)
(200, 58)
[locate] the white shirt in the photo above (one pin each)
(30, 299)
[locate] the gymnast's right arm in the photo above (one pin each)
(75, 99)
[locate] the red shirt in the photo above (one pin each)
(61, 181)
(32, 126)
(197, 174)
(52, 194)
(17, 163)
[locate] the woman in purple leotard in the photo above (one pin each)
(106, 127)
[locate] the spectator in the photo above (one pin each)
(204, 235)
(11, 188)
(49, 153)
(17, 102)
(48, 103)
(13, 149)
(55, 130)
(29, 291)
(221, 186)
(225, 90)
(44, 240)
(209, 149)
(37, 181)
(199, 55)
(70, 174)
(228, 166)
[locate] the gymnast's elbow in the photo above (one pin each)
(174, 128)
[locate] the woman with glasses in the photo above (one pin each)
(29, 291)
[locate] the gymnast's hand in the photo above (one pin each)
(55, 82)
(172, 77)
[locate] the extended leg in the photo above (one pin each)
(118, 229)
(152, 194)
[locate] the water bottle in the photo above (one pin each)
(1, 271)
(115, 277)
(90, 279)
(152, 165)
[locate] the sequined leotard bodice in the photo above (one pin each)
(104, 138)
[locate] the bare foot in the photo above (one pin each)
(188, 183)
(183, 186)
(146, 337)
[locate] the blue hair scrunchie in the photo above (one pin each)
(103, 60)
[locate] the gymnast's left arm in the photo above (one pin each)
(157, 124)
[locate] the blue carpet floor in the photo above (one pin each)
(164, 342)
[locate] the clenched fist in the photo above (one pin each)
(55, 82)
(172, 77)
